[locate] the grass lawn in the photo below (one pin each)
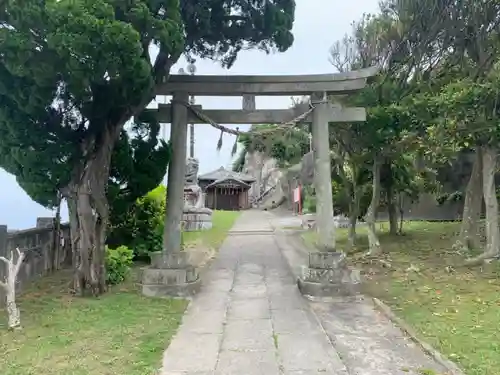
(202, 246)
(222, 221)
(455, 309)
(120, 333)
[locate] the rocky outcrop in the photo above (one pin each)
(299, 174)
(307, 169)
(273, 185)
(266, 172)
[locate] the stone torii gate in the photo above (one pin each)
(170, 273)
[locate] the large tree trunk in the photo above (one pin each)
(56, 239)
(401, 200)
(353, 218)
(492, 250)
(89, 216)
(392, 212)
(469, 230)
(351, 240)
(391, 198)
(73, 230)
(371, 215)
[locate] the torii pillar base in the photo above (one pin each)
(170, 275)
(328, 275)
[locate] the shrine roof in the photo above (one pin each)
(222, 174)
(224, 182)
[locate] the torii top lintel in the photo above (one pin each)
(231, 85)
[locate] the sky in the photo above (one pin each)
(318, 24)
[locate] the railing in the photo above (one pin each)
(261, 197)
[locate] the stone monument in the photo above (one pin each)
(195, 215)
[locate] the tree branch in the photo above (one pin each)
(162, 65)
(19, 261)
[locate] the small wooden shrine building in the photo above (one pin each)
(226, 190)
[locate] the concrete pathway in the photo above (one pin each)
(250, 319)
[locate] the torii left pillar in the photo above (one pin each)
(170, 273)
(327, 273)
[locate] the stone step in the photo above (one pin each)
(251, 232)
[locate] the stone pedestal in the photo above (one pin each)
(170, 275)
(195, 219)
(328, 276)
(195, 216)
(308, 221)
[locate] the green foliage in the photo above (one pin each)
(400, 176)
(158, 194)
(469, 110)
(86, 67)
(309, 199)
(72, 73)
(141, 228)
(342, 200)
(138, 167)
(287, 146)
(239, 162)
(263, 25)
(118, 264)
(455, 196)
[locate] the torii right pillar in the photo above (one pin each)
(327, 273)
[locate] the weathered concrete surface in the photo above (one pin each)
(368, 342)
(252, 221)
(250, 318)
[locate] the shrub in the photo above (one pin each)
(308, 200)
(309, 204)
(118, 264)
(342, 200)
(141, 229)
